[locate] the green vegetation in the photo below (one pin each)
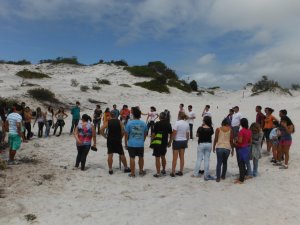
(96, 87)
(266, 85)
(103, 81)
(214, 88)
(73, 61)
(295, 87)
(180, 84)
(26, 74)
(142, 71)
(194, 86)
(74, 83)
(21, 62)
(9, 102)
(42, 94)
(84, 88)
(125, 85)
(121, 62)
(153, 85)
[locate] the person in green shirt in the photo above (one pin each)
(75, 111)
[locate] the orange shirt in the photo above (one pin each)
(269, 121)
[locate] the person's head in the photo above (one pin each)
(225, 122)
(236, 109)
(207, 121)
(258, 108)
(77, 103)
(181, 116)
(152, 109)
(282, 113)
(269, 110)
(244, 123)
(207, 107)
(136, 112)
(125, 106)
(113, 114)
(86, 118)
(181, 106)
(98, 106)
(38, 110)
(162, 116)
(255, 128)
(27, 109)
(114, 106)
(190, 108)
(17, 108)
(23, 104)
(61, 110)
(231, 111)
(107, 110)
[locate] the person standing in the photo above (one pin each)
(13, 122)
(151, 117)
(114, 137)
(190, 119)
(206, 111)
(75, 111)
(260, 117)
(161, 139)
(223, 145)
(84, 134)
(135, 136)
(180, 136)
(268, 126)
(125, 114)
(27, 123)
(116, 111)
(97, 118)
(181, 109)
(235, 123)
(49, 120)
(40, 118)
(257, 136)
(229, 117)
(60, 116)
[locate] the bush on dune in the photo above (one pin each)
(125, 85)
(103, 81)
(42, 94)
(180, 84)
(21, 62)
(266, 85)
(26, 74)
(154, 85)
(84, 88)
(73, 61)
(142, 71)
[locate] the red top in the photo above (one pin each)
(245, 135)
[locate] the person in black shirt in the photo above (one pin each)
(97, 118)
(161, 139)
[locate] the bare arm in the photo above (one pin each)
(103, 127)
(216, 139)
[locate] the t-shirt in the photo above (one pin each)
(75, 111)
(13, 119)
(116, 112)
(208, 113)
(246, 135)
(269, 122)
(260, 117)
(152, 116)
(165, 128)
(97, 114)
(204, 134)
(236, 118)
(191, 114)
(136, 130)
(182, 127)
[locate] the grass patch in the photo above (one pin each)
(125, 85)
(26, 74)
(84, 88)
(8, 102)
(96, 87)
(74, 83)
(142, 71)
(30, 217)
(103, 81)
(42, 94)
(180, 84)
(20, 62)
(153, 85)
(60, 60)
(93, 101)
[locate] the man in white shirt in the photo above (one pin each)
(235, 123)
(14, 121)
(206, 111)
(191, 116)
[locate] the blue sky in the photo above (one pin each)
(225, 43)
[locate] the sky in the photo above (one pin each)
(226, 43)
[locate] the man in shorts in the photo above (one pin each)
(161, 139)
(14, 121)
(135, 135)
(114, 141)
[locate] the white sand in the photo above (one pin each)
(94, 197)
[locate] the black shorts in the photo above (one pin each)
(159, 151)
(115, 147)
(267, 132)
(133, 152)
(177, 145)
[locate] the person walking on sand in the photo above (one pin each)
(161, 139)
(40, 118)
(204, 134)
(13, 122)
(97, 118)
(151, 117)
(223, 145)
(49, 120)
(84, 134)
(60, 117)
(114, 141)
(243, 143)
(191, 115)
(135, 136)
(268, 126)
(257, 136)
(180, 136)
(75, 112)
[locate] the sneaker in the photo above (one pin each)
(277, 164)
(273, 160)
(157, 175)
(209, 177)
(179, 173)
(111, 172)
(127, 170)
(163, 172)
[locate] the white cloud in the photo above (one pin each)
(206, 59)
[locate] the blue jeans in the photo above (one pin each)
(222, 157)
(249, 170)
(203, 149)
(255, 166)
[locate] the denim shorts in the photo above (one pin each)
(177, 145)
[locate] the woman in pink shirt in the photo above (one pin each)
(243, 149)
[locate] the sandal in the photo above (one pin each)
(179, 173)
(284, 167)
(142, 173)
(172, 174)
(157, 175)
(131, 175)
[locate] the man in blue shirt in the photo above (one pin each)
(135, 135)
(75, 111)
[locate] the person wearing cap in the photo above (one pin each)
(115, 133)
(84, 134)
(161, 139)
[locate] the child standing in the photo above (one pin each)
(257, 136)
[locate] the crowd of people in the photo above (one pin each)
(234, 136)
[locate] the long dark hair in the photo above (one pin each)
(207, 121)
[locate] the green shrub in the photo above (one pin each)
(170, 74)
(295, 87)
(103, 81)
(31, 74)
(42, 94)
(73, 61)
(74, 83)
(214, 88)
(154, 85)
(8, 102)
(125, 85)
(84, 88)
(265, 85)
(142, 71)
(180, 84)
(161, 79)
(194, 86)
(96, 87)
(158, 66)
(21, 62)
(119, 63)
